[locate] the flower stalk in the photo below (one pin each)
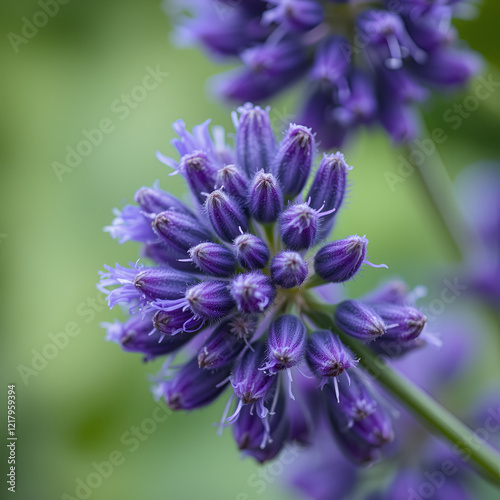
(427, 410)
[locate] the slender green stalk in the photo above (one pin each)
(430, 413)
(314, 281)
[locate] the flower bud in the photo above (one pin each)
(251, 251)
(154, 200)
(359, 412)
(394, 349)
(359, 320)
(328, 188)
(131, 223)
(175, 322)
(294, 158)
(143, 284)
(224, 345)
(332, 62)
(193, 387)
(394, 292)
(200, 172)
(354, 448)
(253, 292)
(288, 269)
(299, 226)
(234, 182)
(213, 259)
(167, 256)
(251, 384)
(179, 232)
(327, 356)
(266, 199)
(210, 299)
(340, 260)
(286, 341)
(137, 335)
(226, 216)
(403, 323)
(260, 438)
(255, 143)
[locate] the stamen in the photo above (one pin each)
(224, 415)
(375, 265)
(290, 380)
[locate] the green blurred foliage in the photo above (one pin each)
(77, 409)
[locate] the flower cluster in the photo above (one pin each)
(364, 61)
(232, 287)
(439, 472)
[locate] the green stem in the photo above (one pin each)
(430, 413)
(314, 281)
(437, 186)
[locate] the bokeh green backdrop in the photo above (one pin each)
(74, 409)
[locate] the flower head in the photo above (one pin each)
(231, 280)
(363, 63)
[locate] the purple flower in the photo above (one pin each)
(213, 259)
(251, 251)
(179, 232)
(234, 182)
(251, 384)
(137, 335)
(358, 419)
(226, 216)
(210, 299)
(253, 292)
(140, 284)
(228, 281)
(288, 269)
(131, 223)
(225, 343)
(293, 161)
(340, 260)
(346, 52)
(285, 343)
(154, 200)
(327, 356)
(359, 320)
(266, 199)
(403, 323)
(299, 226)
(173, 322)
(193, 387)
(200, 172)
(255, 142)
(328, 188)
(262, 438)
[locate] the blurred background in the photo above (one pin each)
(80, 400)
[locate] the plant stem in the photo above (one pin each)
(438, 188)
(430, 413)
(314, 281)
